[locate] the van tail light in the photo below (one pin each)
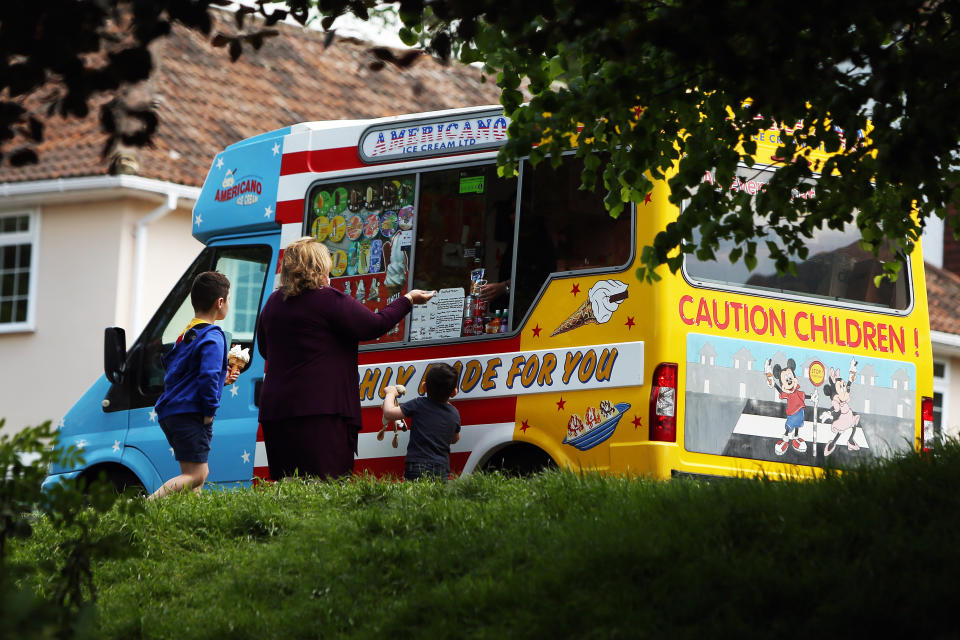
(663, 403)
(926, 416)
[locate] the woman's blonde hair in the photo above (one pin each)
(306, 265)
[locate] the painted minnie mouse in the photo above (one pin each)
(842, 417)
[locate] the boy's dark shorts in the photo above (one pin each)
(188, 436)
(417, 470)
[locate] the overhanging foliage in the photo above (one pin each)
(657, 85)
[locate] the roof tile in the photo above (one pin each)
(943, 299)
(205, 102)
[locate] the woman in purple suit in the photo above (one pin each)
(308, 333)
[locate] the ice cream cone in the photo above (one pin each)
(580, 317)
(237, 359)
(234, 365)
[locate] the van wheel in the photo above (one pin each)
(117, 475)
(519, 459)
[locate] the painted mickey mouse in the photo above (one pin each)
(785, 381)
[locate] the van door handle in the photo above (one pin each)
(257, 386)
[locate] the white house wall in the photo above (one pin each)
(170, 250)
(950, 427)
(84, 284)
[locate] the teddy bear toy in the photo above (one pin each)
(396, 425)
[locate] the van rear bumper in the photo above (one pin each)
(654, 459)
(709, 477)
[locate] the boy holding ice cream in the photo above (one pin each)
(196, 370)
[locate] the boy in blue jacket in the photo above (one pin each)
(196, 370)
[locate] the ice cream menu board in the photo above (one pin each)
(360, 223)
(441, 317)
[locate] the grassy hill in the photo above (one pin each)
(554, 556)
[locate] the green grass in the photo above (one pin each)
(558, 555)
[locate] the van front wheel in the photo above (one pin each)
(117, 475)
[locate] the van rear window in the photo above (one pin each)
(836, 268)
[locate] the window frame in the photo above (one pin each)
(417, 171)
(758, 292)
(631, 210)
(31, 237)
(132, 392)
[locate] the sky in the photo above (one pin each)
(373, 30)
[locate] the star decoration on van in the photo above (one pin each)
(81, 443)
(648, 198)
(60, 425)
(524, 426)
(536, 331)
(268, 212)
(561, 403)
(234, 392)
(153, 415)
(245, 457)
(219, 162)
(576, 289)
(116, 445)
(629, 322)
(637, 422)
(276, 148)
(197, 220)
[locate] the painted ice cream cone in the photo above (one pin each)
(603, 299)
(237, 359)
(580, 317)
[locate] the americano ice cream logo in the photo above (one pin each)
(420, 138)
(245, 191)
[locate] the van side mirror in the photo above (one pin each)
(114, 353)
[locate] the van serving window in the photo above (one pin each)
(836, 269)
(564, 228)
(462, 229)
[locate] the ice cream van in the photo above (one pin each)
(713, 371)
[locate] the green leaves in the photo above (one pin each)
(690, 69)
(655, 87)
(73, 512)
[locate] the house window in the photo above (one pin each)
(18, 267)
(941, 383)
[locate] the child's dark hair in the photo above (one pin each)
(441, 382)
(208, 287)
